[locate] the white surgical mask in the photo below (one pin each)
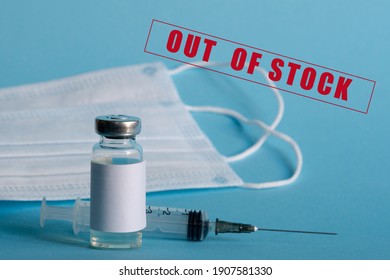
(46, 134)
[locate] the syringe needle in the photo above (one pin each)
(297, 231)
(223, 227)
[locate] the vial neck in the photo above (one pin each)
(116, 141)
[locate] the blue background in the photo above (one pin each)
(344, 186)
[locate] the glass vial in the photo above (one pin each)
(118, 195)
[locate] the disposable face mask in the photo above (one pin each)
(47, 134)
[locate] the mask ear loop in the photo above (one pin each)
(259, 143)
(269, 130)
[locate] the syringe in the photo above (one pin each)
(161, 221)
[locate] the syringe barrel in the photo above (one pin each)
(176, 223)
(162, 221)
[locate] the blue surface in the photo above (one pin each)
(344, 186)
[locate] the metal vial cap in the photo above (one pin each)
(113, 126)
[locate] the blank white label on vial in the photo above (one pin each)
(118, 197)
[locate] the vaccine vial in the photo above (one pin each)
(118, 194)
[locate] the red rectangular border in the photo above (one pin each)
(273, 53)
